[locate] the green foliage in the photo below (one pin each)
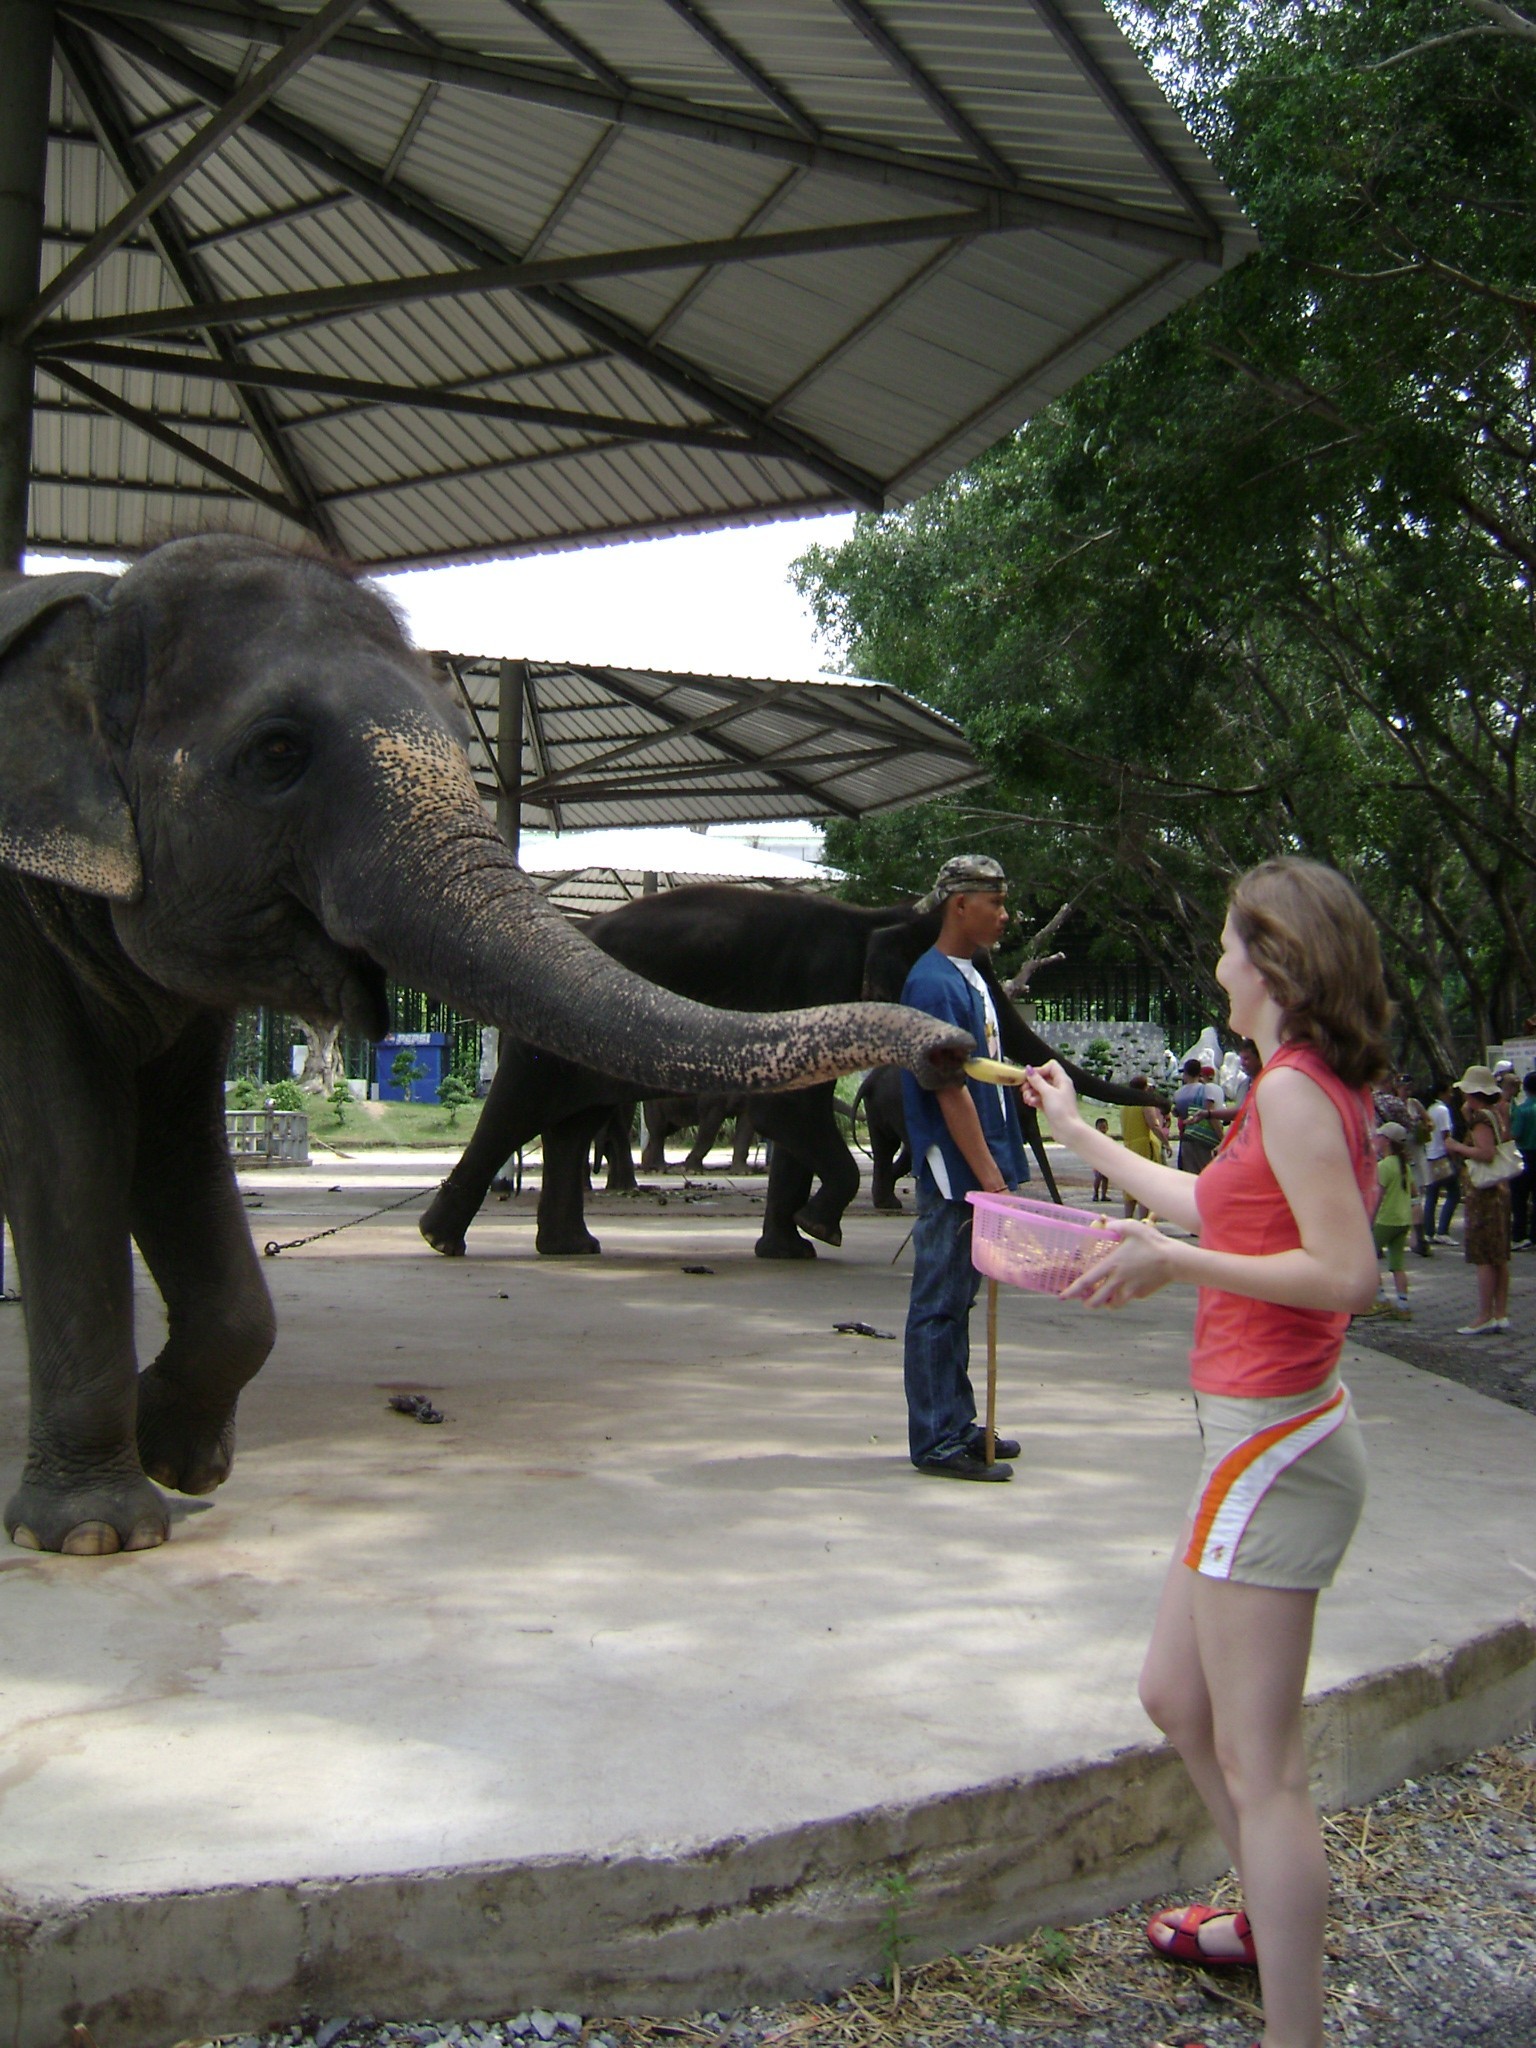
(1264, 583)
(287, 1095)
(342, 1102)
(244, 1094)
(405, 1070)
(894, 1940)
(1052, 1953)
(1099, 1058)
(453, 1092)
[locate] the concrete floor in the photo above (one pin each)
(625, 1686)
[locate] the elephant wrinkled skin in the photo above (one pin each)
(226, 778)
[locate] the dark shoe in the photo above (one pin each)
(964, 1464)
(1002, 1446)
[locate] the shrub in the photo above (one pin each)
(453, 1093)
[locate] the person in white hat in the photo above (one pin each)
(1486, 1242)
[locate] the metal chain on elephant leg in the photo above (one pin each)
(271, 1248)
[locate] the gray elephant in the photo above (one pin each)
(226, 779)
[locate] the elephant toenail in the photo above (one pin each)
(91, 1539)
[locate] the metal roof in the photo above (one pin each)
(623, 746)
(440, 279)
(585, 873)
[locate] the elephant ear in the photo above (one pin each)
(64, 814)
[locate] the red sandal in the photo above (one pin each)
(1183, 1943)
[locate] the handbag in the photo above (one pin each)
(1505, 1164)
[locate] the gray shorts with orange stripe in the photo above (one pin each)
(1281, 1488)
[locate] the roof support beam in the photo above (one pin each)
(329, 302)
(291, 57)
(721, 128)
(564, 39)
(612, 679)
(26, 55)
(875, 31)
(155, 430)
(1129, 121)
(265, 376)
(94, 90)
(471, 242)
(743, 66)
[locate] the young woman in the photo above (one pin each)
(1487, 1245)
(1284, 1258)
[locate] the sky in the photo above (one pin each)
(710, 603)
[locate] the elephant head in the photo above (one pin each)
(237, 750)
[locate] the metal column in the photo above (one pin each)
(26, 61)
(509, 751)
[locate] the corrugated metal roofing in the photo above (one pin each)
(617, 267)
(586, 873)
(620, 746)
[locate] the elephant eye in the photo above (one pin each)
(275, 758)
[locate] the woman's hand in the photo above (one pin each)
(1049, 1089)
(1138, 1263)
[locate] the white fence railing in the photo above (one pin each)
(267, 1137)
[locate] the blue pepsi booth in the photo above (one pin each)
(431, 1051)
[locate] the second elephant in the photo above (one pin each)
(752, 949)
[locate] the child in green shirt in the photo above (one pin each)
(1394, 1216)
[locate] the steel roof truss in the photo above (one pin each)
(466, 239)
(274, 377)
(737, 58)
(875, 32)
(154, 429)
(615, 682)
(842, 156)
(563, 38)
(331, 302)
(96, 94)
(291, 57)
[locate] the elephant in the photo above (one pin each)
(227, 779)
(703, 1115)
(753, 949)
(885, 1120)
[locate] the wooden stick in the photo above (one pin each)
(991, 1371)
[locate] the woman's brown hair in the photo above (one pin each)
(1312, 939)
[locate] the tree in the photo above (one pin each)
(1264, 582)
(405, 1070)
(453, 1092)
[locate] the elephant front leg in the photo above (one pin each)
(64, 1162)
(789, 1185)
(190, 1225)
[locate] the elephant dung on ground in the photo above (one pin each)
(752, 949)
(226, 778)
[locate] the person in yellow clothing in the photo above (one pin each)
(1144, 1131)
(1394, 1216)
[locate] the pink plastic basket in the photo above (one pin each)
(1035, 1244)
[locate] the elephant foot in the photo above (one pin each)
(584, 1246)
(827, 1233)
(87, 1521)
(891, 1206)
(445, 1222)
(783, 1248)
(188, 1449)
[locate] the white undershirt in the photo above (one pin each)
(994, 1051)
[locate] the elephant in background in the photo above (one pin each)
(226, 779)
(885, 1120)
(704, 1115)
(752, 949)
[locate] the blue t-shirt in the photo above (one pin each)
(937, 985)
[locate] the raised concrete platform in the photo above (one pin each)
(622, 1688)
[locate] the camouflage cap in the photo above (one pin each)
(961, 873)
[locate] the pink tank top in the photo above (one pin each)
(1257, 1348)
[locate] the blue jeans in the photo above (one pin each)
(941, 1409)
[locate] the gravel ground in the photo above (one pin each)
(1432, 1945)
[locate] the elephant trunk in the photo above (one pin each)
(472, 930)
